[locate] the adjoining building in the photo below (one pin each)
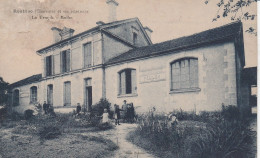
(118, 61)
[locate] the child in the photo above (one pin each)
(117, 114)
(105, 117)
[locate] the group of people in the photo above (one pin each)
(127, 112)
(48, 109)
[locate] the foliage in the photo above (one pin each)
(3, 92)
(225, 139)
(49, 132)
(28, 114)
(98, 108)
(236, 10)
(230, 113)
(3, 113)
(209, 134)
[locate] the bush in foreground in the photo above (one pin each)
(210, 134)
(49, 132)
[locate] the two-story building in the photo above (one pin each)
(117, 61)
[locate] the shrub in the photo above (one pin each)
(222, 140)
(98, 109)
(49, 132)
(210, 134)
(3, 113)
(230, 113)
(28, 114)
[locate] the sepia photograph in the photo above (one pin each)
(128, 79)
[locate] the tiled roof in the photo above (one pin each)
(96, 28)
(195, 40)
(26, 81)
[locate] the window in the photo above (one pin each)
(87, 49)
(67, 93)
(127, 82)
(33, 96)
(16, 97)
(65, 61)
(134, 38)
(49, 65)
(184, 74)
(50, 94)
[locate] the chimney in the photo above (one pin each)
(148, 31)
(99, 23)
(66, 33)
(56, 34)
(112, 4)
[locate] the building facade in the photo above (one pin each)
(118, 61)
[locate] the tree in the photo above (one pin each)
(3, 91)
(236, 10)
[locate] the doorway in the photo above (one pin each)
(88, 94)
(50, 95)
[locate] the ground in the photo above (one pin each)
(67, 145)
(126, 148)
(88, 143)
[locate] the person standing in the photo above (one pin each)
(105, 117)
(78, 109)
(124, 111)
(131, 113)
(117, 114)
(45, 107)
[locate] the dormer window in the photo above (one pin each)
(134, 38)
(135, 34)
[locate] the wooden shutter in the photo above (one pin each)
(185, 74)
(45, 67)
(48, 66)
(57, 64)
(67, 94)
(133, 79)
(175, 75)
(67, 60)
(87, 55)
(193, 73)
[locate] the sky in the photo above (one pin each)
(21, 35)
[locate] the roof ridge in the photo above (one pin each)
(209, 35)
(91, 29)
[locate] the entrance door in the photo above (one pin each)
(67, 94)
(50, 94)
(88, 94)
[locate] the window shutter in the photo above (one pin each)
(48, 66)
(176, 75)
(133, 79)
(193, 73)
(123, 81)
(45, 67)
(185, 74)
(87, 55)
(67, 60)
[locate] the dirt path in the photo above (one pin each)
(126, 149)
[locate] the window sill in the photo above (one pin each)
(185, 90)
(127, 95)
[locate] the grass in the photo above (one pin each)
(217, 134)
(46, 136)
